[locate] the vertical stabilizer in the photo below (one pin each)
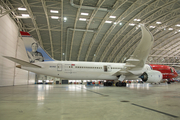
(34, 50)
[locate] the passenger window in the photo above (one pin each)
(171, 70)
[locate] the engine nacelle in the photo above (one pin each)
(151, 76)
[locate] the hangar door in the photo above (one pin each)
(64, 81)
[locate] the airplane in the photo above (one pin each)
(168, 72)
(40, 62)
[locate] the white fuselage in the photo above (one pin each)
(81, 70)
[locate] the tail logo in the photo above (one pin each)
(34, 55)
(34, 52)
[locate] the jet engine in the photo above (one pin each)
(151, 76)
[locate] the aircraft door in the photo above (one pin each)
(59, 67)
(107, 68)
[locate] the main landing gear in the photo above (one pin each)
(121, 84)
(168, 82)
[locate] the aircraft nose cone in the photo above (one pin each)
(176, 74)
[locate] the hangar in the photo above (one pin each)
(92, 31)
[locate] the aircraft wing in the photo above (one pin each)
(134, 65)
(21, 62)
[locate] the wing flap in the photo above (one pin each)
(21, 62)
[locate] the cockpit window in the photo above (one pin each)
(171, 70)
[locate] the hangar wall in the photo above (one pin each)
(12, 45)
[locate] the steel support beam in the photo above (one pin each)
(80, 30)
(49, 27)
(135, 6)
(25, 3)
(62, 20)
(115, 7)
(87, 27)
(77, 15)
(152, 7)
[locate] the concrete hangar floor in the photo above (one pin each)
(78, 102)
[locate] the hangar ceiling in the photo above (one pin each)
(99, 30)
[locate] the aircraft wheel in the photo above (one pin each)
(168, 82)
(120, 84)
(123, 84)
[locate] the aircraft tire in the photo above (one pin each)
(123, 84)
(120, 84)
(168, 82)
(117, 84)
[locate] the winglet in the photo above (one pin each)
(142, 51)
(135, 64)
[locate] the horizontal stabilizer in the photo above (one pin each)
(21, 62)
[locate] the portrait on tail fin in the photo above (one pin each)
(34, 55)
(35, 52)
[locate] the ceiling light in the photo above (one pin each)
(63, 54)
(137, 20)
(115, 23)
(108, 21)
(131, 24)
(54, 17)
(82, 19)
(120, 23)
(112, 16)
(65, 18)
(152, 26)
(178, 30)
(54, 11)
(85, 14)
(25, 15)
(22, 9)
(178, 25)
(158, 22)
(170, 29)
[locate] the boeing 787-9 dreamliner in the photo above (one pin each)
(134, 68)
